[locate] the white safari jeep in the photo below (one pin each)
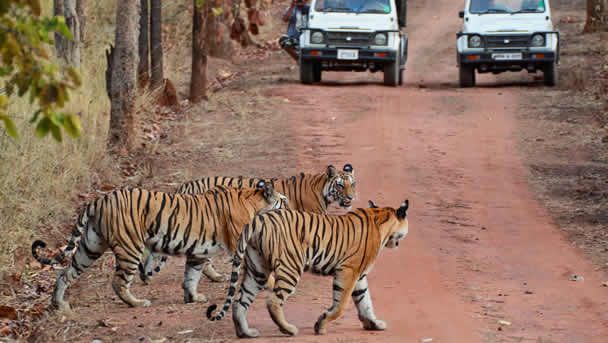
(354, 35)
(507, 35)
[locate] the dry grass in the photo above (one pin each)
(39, 177)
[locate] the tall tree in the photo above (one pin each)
(198, 78)
(597, 16)
(124, 75)
(82, 7)
(71, 20)
(60, 40)
(142, 69)
(156, 39)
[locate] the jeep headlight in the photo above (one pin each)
(316, 37)
(380, 39)
(474, 41)
(538, 40)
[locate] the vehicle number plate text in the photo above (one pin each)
(348, 54)
(507, 56)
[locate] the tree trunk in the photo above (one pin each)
(156, 39)
(198, 78)
(124, 76)
(60, 41)
(82, 7)
(597, 16)
(143, 67)
(71, 20)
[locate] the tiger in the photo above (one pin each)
(131, 219)
(287, 243)
(312, 193)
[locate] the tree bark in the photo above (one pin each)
(71, 20)
(198, 78)
(124, 76)
(143, 67)
(82, 7)
(60, 41)
(597, 16)
(156, 53)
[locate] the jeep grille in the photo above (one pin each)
(348, 38)
(507, 41)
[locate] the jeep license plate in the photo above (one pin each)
(507, 56)
(348, 54)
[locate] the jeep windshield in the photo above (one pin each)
(353, 6)
(506, 6)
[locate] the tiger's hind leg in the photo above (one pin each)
(255, 278)
(286, 280)
(90, 249)
(344, 282)
(192, 275)
(210, 273)
(363, 302)
(127, 262)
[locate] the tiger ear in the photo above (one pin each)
(268, 190)
(348, 168)
(402, 211)
(371, 204)
(331, 171)
(259, 185)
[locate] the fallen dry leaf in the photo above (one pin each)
(8, 312)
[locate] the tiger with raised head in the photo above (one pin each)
(311, 193)
(131, 220)
(287, 243)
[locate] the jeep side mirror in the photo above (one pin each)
(461, 14)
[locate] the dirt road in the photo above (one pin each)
(481, 249)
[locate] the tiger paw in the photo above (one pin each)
(289, 330)
(319, 328)
(63, 306)
(250, 333)
(194, 298)
(142, 303)
(374, 325)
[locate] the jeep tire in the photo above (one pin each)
(550, 74)
(316, 71)
(306, 72)
(467, 76)
(391, 73)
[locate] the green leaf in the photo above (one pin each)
(56, 132)
(10, 127)
(72, 125)
(35, 117)
(217, 11)
(64, 30)
(43, 128)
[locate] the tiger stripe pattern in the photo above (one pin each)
(311, 193)
(288, 242)
(130, 220)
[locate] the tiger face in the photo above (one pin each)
(340, 185)
(272, 198)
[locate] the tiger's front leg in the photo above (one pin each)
(363, 302)
(192, 275)
(344, 282)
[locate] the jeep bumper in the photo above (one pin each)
(365, 55)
